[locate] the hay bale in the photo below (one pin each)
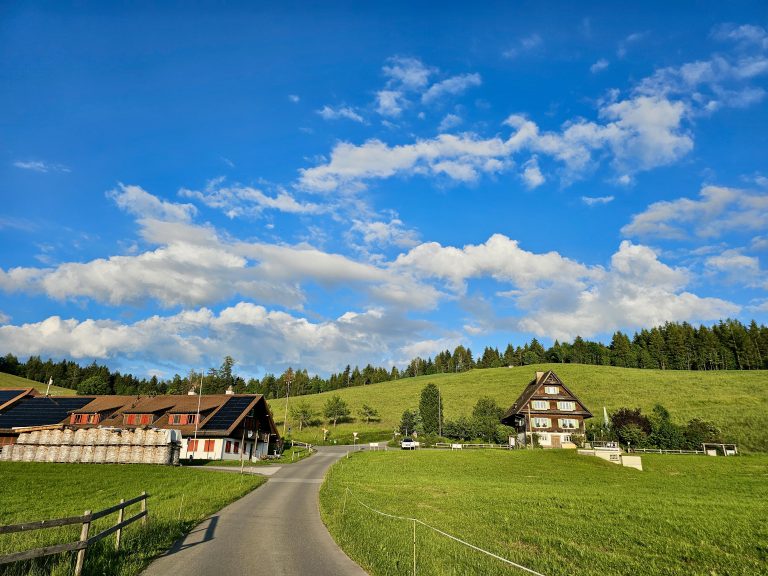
(68, 437)
(54, 437)
(86, 456)
(80, 437)
(40, 453)
(63, 455)
(99, 453)
(31, 437)
(75, 452)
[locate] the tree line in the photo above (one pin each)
(727, 345)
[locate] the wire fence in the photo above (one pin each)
(416, 521)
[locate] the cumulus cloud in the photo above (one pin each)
(389, 102)
(138, 202)
(294, 98)
(382, 233)
(449, 121)
(407, 73)
(238, 201)
(328, 113)
(738, 268)
(717, 211)
(637, 290)
(500, 258)
(532, 175)
(200, 337)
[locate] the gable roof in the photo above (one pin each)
(220, 414)
(542, 378)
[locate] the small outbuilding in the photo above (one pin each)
(549, 409)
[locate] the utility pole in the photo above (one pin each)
(288, 379)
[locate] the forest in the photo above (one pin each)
(727, 345)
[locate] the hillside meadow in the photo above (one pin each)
(736, 401)
(11, 381)
(554, 512)
(180, 498)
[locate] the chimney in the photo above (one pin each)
(191, 392)
(230, 391)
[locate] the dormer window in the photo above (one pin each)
(551, 390)
(137, 419)
(84, 418)
(182, 419)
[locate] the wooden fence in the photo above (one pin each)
(85, 540)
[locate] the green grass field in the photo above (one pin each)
(737, 401)
(552, 511)
(179, 499)
(11, 381)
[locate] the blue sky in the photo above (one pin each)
(316, 184)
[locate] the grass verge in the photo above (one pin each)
(180, 498)
(555, 512)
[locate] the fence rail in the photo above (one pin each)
(664, 451)
(85, 540)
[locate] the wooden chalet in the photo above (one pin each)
(227, 426)
(549, 409)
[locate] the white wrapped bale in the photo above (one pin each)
(40, 453)
(75, 452)
(63, 455)
(99, 453)
(52, 453)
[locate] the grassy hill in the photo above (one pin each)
(11, 381)
(737, 401)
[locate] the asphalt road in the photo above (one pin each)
(274, 530)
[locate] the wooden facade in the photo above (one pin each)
(549, 409)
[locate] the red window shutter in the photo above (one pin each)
(237, 447)
(209, 445)
(228, 447)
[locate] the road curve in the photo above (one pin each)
(274, 530)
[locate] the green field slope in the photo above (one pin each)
(737, 401)
(552, 511)
(180, 498)
(11, 381)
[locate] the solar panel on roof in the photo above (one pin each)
(40, 411)
(6, 395)
(228, 413)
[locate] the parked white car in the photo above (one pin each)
(408, 444)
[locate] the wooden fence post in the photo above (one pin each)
(144, 508)
(84, 540)
(119, 533)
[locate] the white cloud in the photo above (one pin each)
(294, 98)
(452, 86)
(138, 202)
(636, 291)
(738, 268)
(596, 200)
(599, 66)
(4, 318)
(238, 201)
(532, 175)
(748, 34)
(408, 73)
(40, 166)
(389, 102)
(718, 210)
(631, 39)
(449, 121)
(202, 337)
(500, 258)
(385, 233)
(328, 113)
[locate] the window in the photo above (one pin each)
(566, 406)
(568, 423)
(182, 419)
(228, 447)
(237, 447)
(137, 419)
(542, 422)
(551, 389)
(192, 445)
(208, 446)
(540, 405)
(77, 419)
(566, 437)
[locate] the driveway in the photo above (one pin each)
(275, 529)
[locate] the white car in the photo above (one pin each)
(408, 444)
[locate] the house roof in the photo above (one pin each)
(533, 387)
